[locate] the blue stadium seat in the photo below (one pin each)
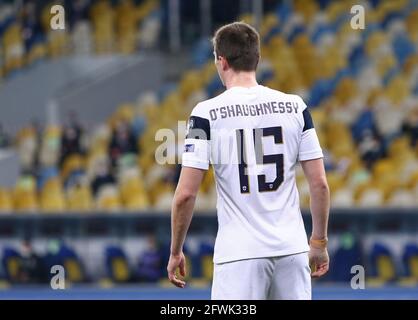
(392, 16)
(320, 90)
(390, 74)
(214, 86)
(202, 51)
(276, 30)
(68, 258)
(321, 30)
(402, 48)
(297, 30)
(284, 11)
(46, 174)
(72, 263)
(382, 264)
(205, 260)
(117, 265)
(165, 90)
(266, 75)
(348, 254)
(10, 263)
(364, 122)
(410, 260)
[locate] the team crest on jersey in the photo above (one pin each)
(189, 148)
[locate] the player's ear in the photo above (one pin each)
(224, 63)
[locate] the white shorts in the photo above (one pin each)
(275, 278)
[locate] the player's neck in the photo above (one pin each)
(241, 79)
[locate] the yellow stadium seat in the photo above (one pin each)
(308, 8)
(108, 199)
(52, 196)
(335, 181)
(373, 43)
(13, 267)
(207, 267)
(24, 194)
(79, 198)
(120, 270)
(270, 20)
(386, 268)
(190, 83)
(6, 201)
(384, 64)
(397, 90)
(25, 201)
(53, 202)
(335, 9)
(126, 20)
(36, 53)
(103, 24)
(73, 270)
(412, 25)
(345, 90)
(413, 267)
(125, 112)
(57, 45)
(133, 194)
(72, 163)
(13, 48)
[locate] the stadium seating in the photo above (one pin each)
(359, 85)
(100, 28)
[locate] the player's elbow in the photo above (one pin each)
(183, 198)
(320, 186)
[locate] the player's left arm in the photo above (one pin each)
(181, 216)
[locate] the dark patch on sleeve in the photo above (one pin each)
(198, 128)
(307, 119)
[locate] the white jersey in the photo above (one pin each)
(254, 138)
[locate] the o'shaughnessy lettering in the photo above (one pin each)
(265, 108)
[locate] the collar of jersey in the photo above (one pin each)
(244, 88)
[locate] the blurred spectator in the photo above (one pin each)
(32, 30)
(149, 268)
(103, 177)
(30, 269)
(4, 138)
(370, 148)
(71, 138)
(38, 129)
(78, 11)
(123, 142)
(410, 126)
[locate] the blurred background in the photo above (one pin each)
(80, 108)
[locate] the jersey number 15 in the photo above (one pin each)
(261, 158)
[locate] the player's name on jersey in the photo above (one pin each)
(239, 110)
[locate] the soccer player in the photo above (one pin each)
(254, 137)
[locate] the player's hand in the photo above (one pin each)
(318, 261)
(177, 261)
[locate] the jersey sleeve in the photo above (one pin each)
(196, 153)
(309, 147)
